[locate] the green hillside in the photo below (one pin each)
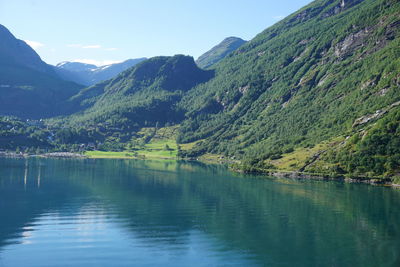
(303, 81)
(145, 95)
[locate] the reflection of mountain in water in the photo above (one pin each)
(164, 203)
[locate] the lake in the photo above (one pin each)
(71, 212)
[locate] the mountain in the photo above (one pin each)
(317, 93)
(218, 52)
(75, 66)
(143, 95)
(305, 94)
(88, 74)
(28, 86)
(16, 52)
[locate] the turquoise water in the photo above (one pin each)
(147, 213)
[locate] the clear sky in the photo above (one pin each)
(105, 31)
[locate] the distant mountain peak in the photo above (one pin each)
(75, 66)
(145, 94)
(233, 38)
(218, 52)
(178, 72)
(89, 74)
(62, 63)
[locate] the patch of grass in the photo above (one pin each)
(297, 159)
(157, 148)
(140, 154)
(189, 146)
(109, 154)
(210, 158)
(215, 158)
(161, 145)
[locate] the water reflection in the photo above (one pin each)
(121, 212)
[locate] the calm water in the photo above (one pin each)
(144, 213)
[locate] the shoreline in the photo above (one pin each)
(377, 181)
(72, 155)
(45, 155)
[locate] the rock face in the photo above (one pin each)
(379, 113)
(349, 3)
(367, 118)
(341, 6)
(219, 51)
(351, 43)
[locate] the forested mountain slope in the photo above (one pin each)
(218, 52)
(28, 86)
(145, 95)
(327, 71)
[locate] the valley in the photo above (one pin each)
(316, 93)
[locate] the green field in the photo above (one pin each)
(153, 150)
(108, 154)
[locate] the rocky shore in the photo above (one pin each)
(384, 181)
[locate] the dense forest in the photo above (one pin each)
(306, 80)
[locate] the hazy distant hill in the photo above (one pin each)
(28, 86)
(88, 74)
(219, 51)
(16, 52)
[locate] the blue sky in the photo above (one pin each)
(106, 31)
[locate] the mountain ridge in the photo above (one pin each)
(28, 86)
(158, 81)
(89, 74)
(218, 52)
